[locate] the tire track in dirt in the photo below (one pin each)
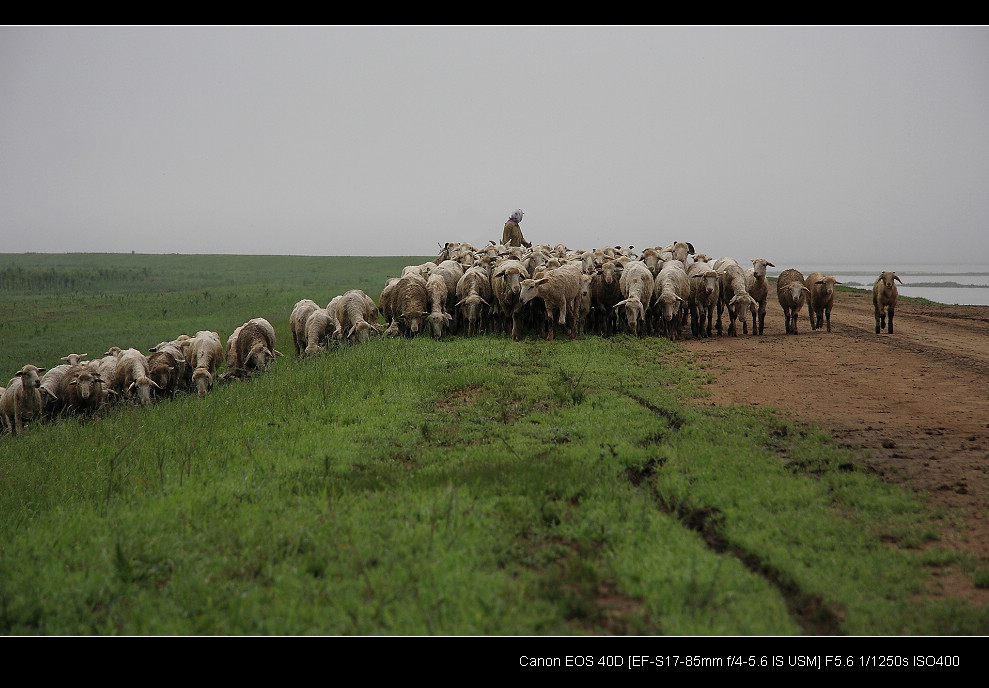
(916, 400)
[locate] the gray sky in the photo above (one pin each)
(797, 144)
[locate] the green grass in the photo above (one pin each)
(458, 487)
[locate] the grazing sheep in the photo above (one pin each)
(357, 317)
(436, 292)
(231, 357)
(559, 289)
(21, 399)
(506, 287)
(410, 303)
(758, 287)
(474, 299)
(705, 289)
(386, 306)
(297, 323)
(670, 299)
(131, 376)
(169, 371)
(320, 325)
(583, 305)
(81, 390)
(637, 285)
(733, 295)
(451, 271)
(256, 346)
(164, 369)
(820, 298)
(205, 354)
(791, 290)
(884, 298)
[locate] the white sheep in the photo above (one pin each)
(131, 376)
(820, 298)
(758, 287)
(734, 296)
(884, 298)
(438, 319)
(559, 289)
(671, 297)
(21, 399)
(50, 389)
(256, 346)
(791, 290)
(297, 324)
(357, 317)
(637, 285)
(205, 354)
(474, 298)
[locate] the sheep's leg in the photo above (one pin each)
(890, 320)
(827, 313)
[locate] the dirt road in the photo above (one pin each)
(917, 399)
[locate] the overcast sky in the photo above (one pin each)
(797, 144)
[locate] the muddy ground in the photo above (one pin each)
(916, 401)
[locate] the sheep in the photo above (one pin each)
(791, 290)
(637, 285)
(410, 304)
(884, 298)
(256, 347)
(131, 376)
(81, 390)
(320, 326)
(72, 359)
(21, 399)
(357, 317)
(50, 389)
(451, 271)
(231, 356)
(605, 293)
(297, 324)
(169, 370)
(820, 298)
(165, 369)
(705, 289)
(205, 355)
(474, 298)
(758, 287)
(386, 307)
(506, 287)
(106, 368)
(733, 295)
(559, 289)
(670, 298)
(583, 305)
(436, 292)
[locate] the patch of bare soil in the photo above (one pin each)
(917, 400)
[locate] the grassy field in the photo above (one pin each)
(461, 487)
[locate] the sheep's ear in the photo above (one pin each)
(897, 279)
(770, 264)
(837, 282)
(278, 353)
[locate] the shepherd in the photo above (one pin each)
(512, 236)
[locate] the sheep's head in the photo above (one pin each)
(202, 380)
(437, 321)
(30, 376)
(759, 267)
(888, 278)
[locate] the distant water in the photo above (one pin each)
(963, 284)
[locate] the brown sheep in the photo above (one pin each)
(884, 298)
(820, 298)
(791, 290)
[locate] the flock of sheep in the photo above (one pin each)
(468, 291)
